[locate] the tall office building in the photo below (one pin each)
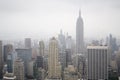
(39, 62)
(19, 69)
(28, 43)
(41, 48)
(7, 49)
(68, 58)
(54, 68)
(1, 60)
(25, 55)
(98, 57)
(62, 47)
(31, 68)
(10, 63)
(11, 57)
(79, 35)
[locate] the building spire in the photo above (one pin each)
(79, 12)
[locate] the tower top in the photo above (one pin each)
(79, 12)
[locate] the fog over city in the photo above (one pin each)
(45, 18)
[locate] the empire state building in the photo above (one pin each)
(79, 35)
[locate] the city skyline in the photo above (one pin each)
(63, 40)
(46, 18)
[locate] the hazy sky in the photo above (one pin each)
(45, 18)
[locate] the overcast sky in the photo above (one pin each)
(45, 18)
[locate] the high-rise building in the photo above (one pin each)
(7, 49)
(25, 55)
(1, 60)
(19, 69)
(10, 63)
(79, 35)
(41, 48)
(112, 44)
(68, 58)
(98, 57)
(28, 43)
(62, 47)
(54, 68)
(39, 62)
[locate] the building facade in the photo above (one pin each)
(79, 35)
(19, 69)
(7, 49)
(97, 62)
(41, 48)
(25, 55)
(54, 68)
(27, 42)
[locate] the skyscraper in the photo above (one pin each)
(1, 60)
(19, 69)
(10, 63)
(54, 68)
(25, 55)
(7, 49)
(62, 47)
(79, 35)
(42, 48)
(98, 62)
(11, 57)
(27, 42)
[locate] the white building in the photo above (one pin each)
(19, 69)
(54, 68)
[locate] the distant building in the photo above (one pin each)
(41, 48)
(11, 57)
(19, 69)
(68, 58)
(10, 63)
(7, 49)
(54, 67)
(1, 60)
(25, 55)
(62, 47)
(39, 62)
(31, 68)
(79, 35)
(98, 62)
(28, 43)
(112, 44)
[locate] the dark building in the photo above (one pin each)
(25, 55)
(28, 43)
(68, 57)
(7, 49)
(39, 62)
(9, 63)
